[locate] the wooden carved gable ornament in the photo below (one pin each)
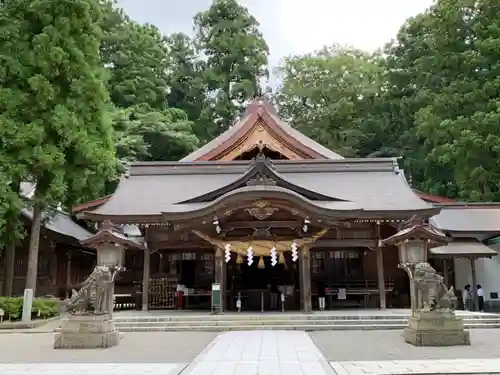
(261, 164)
(261, 210)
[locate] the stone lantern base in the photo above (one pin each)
(86, 332)
(435, 328)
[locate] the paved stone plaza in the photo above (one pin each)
(252, 353)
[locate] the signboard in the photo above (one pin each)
(342, 293)
(216, 297)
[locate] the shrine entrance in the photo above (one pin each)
(262, 286)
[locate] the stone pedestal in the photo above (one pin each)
(86, 332)
(435, 328)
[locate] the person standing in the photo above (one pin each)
(180, 295)
(321, 296)
(480, 298)
(466, 297)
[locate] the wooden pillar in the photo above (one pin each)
(8, 269)
(381, 278)
(220, 271)
(68, 275)
(445, 273)
(474, 284)
(305, 278)
(380, 271)
(145, 279)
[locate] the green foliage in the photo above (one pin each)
(137, 65)
(236, 60)
(51, 65)
(11, 228)
(443, 75)
(147, 135)
(54, 101)
(329, 96)
(187, 89)
(42, 308)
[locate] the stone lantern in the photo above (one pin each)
(110, 254)
(433, 322)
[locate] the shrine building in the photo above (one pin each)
(263, 210)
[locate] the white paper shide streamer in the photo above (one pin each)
(274, 256)
(295, 253)
(250, 256)
(227, 252)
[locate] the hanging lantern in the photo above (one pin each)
(239, 259)
(281, 259)
(261, 263)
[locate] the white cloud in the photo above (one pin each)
(295, 26)
(366, 24)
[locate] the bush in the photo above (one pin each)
(42, 308)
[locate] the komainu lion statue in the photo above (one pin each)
(434, 294)
(94, 293)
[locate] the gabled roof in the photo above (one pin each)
(262, 118)
(463, 248)
(60, 222)
(92, 205)
(416, 228)
(468, 218)
(261, 172)
(107, 234)
(362, 186)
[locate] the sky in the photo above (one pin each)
(294, 26)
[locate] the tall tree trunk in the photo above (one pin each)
(33, 249)
(10, 249)
(8, 266)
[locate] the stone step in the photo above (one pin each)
(225, 322)
(262, 322)
(301, 327)
(280, 317)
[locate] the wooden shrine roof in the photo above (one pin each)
(356, 187)
(463, 248)
(468, 218)
(261, 118)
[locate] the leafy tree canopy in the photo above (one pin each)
(329, 95)
(236, 60)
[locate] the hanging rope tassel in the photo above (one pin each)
(239, 259)
(281, 259)
(261, 263)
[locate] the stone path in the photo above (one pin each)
(92, 369)
(439, 366)
(260, 353)
(348, 346)
(252, 353)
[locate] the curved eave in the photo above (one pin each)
(264, 168)
(106, 236)
(159, 219)
(273, 192)
(435, 238)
